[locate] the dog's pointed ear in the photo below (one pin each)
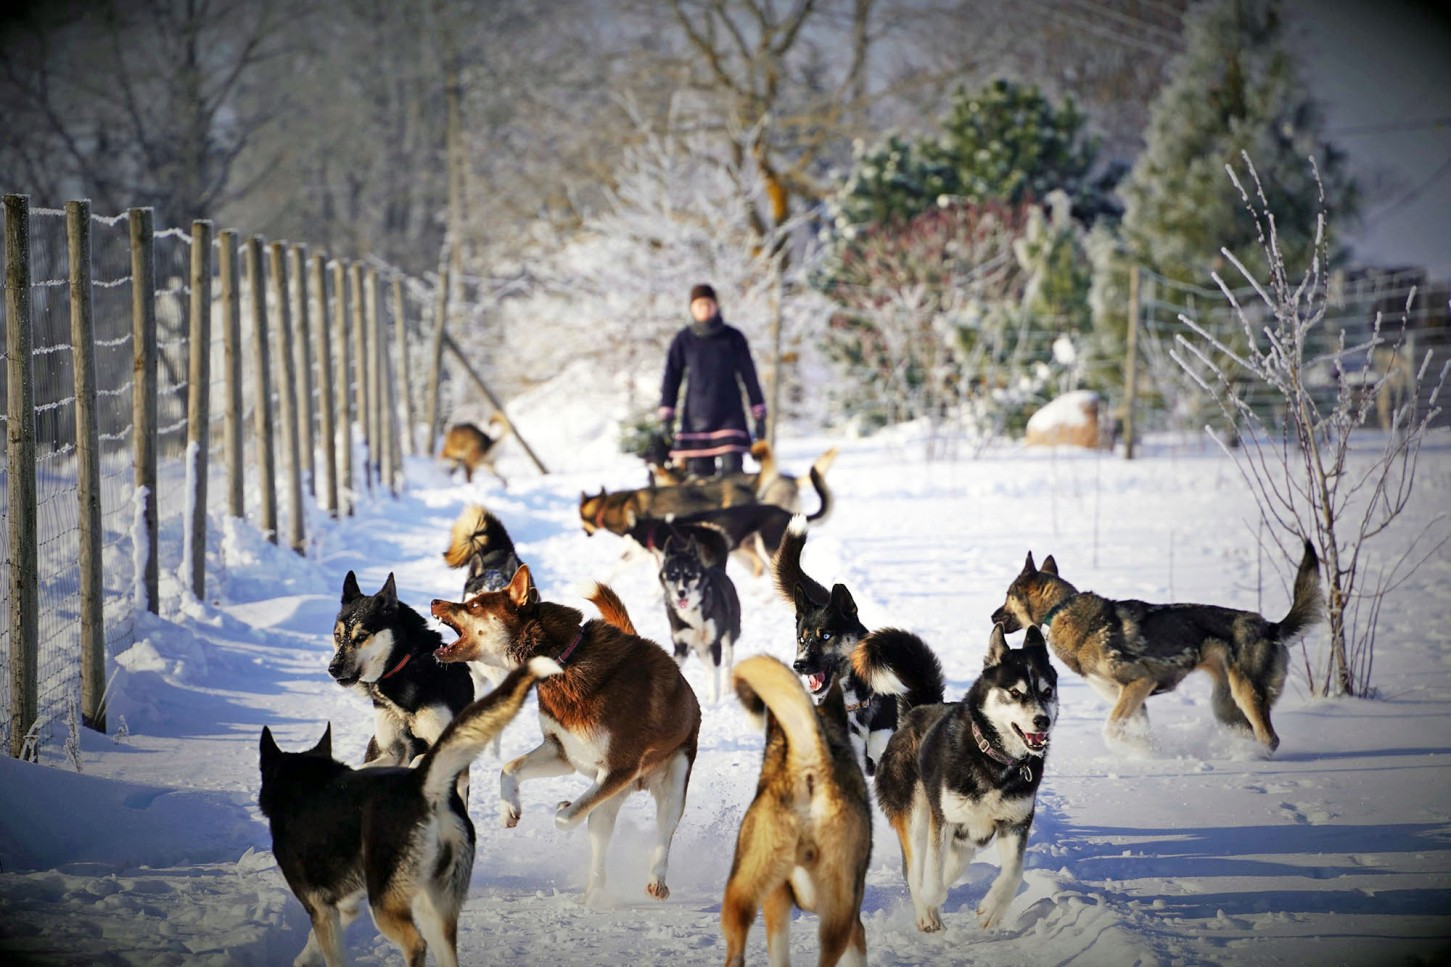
(351, 591)
(324, 745)
(1050, 566)
(1034, 638)
(803, 602)
(389, 592)
(520, 586)
(268, 746)
(841, 599)
(669, 547)
(1028, 566)
(476, 566)
(997, 647)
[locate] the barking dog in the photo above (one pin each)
(704, 611)
(832, 643)
(621, 713)
(955, 776)
(402, 837)
(468, 448)
(385, 648)
(480, 541)
(1129, 650)
(807, 836)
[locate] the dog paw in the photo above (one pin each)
(990, 914)
(509, 814)
(564, 818)
(929, 921)
(657, 889)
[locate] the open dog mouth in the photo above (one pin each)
(1035, 741)
(817, 682)
(449, 650)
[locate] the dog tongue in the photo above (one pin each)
(815, 682)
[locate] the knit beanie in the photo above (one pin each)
(703, 291)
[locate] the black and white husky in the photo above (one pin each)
(385, 648)
(704, 610)
(400, 837)
(832, 643)
(954, 776)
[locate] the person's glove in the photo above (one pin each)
(667, 424)
(760, 429)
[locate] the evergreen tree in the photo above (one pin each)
(1235, 90)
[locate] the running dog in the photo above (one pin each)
(832, 643)
(402, 837)
(621, 713)
(807, 836)
(468, 448)
(770, 484)
(480, 541)
(385, 649)
(955, 776)
(704, 611)
(1129, 650)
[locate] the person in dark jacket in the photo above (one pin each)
(715, 363)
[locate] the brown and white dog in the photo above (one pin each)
(621, 713)
(469, 448)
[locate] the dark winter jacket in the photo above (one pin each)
(715, 363)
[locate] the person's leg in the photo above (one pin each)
(701, 466)
(730, 463)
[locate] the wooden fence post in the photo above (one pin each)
(21, 508)
(303, 320)
(1131, 363)
(287, 394)
(88, 468)
(262, 390)
(344, 403)
(403, 382)
(360, 370)
(232, 443)
(435, 366)
(143, 394)
(327, 423)
(378, 446)
(198, 411)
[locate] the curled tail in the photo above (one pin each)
(786, 566)
(1307, 607)
(470, 536)
(476, 727)
(763, 680)
(896, 662)
(823, 494)
(611, 608)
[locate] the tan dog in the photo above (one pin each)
(617, 511)
(1129, 650)
(620, 713)
(770, 484)
(466, 446)
(807, 836)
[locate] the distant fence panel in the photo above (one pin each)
(204, 441)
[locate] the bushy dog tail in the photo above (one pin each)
(786, 566)
(896, 662)
(764, 680)
(476, 727)
(823, 494)
(470, 536)
(1307, 607)
(611, 608)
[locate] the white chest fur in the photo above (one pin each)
(979, 816)
(586, 751)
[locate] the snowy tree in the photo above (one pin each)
(1235, 89)
(1314, 473)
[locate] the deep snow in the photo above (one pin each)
(1335, 850)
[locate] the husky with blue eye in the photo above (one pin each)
(704, 610)
(956, 776)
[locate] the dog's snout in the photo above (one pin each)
(801, 667)
(1042, 722)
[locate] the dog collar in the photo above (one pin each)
(578, 636)
(865, 703)
(996, 756)
(396, 668)
(1052, 613)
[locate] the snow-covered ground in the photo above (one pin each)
(1335, 850)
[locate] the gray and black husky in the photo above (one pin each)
(832, 643)
(1128, 650)
(480, 541)
(704, 610)
(955, 776)
(385, 648)
(401, 837)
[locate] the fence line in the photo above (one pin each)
(119, 337)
